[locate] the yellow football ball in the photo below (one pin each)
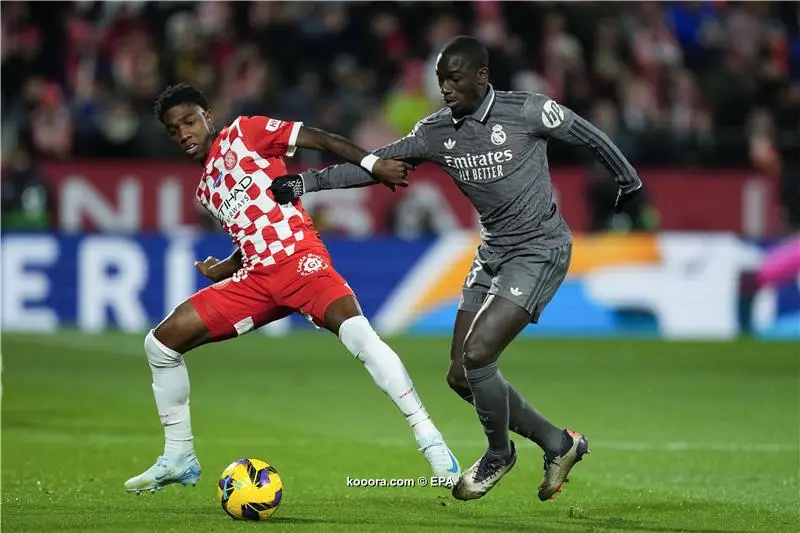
(250, 489)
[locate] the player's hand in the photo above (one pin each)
(210, 268)
(286, 189)
(391, 173)
(624, 198)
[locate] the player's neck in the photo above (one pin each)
(211, 140)
(477, 104)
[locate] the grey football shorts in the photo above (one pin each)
(530, 280)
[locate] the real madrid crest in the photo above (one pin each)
(498, 135)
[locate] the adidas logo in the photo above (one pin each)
(449, 144)
(515, 291)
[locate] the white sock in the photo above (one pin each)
(171, 390)
(388, 372)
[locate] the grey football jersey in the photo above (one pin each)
(498, 158)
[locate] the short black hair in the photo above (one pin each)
(470, 47)
(175, 95)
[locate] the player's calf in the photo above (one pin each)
(164, 347)
(462, 390)
(389, 373)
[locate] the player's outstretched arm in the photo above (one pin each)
(217, 270)
(387, 171)
(550, 119)
(411, 149)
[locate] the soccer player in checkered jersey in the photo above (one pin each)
(280, 266)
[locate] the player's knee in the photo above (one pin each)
(477, 351)
(357, 334)
(183, 330)
(456, 379)
(158, 354)
(340, 311)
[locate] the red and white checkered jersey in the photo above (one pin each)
(242, 162)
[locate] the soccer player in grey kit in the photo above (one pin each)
(494, 145)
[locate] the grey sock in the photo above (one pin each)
(490, 396)
(528, 423)
(525, 421)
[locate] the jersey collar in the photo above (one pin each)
(483, 111)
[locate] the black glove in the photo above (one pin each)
(286, 189)
(624, 198)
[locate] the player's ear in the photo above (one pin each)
(209, 116)
(483, 75)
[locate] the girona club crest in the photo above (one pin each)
(230, 159)
(311, 263)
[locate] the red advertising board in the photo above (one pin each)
(136, 195)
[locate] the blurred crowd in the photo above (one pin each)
(697, 83)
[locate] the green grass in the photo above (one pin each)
(696, 437)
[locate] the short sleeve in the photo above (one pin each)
(270, 136)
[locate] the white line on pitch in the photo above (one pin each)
(641, 446)
(629, 446)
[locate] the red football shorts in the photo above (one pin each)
(304, 282)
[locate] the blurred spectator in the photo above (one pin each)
(763, 151)
(602, 191)
(302, 104)
(790, 191)
(26, 199)
(50, 120)
(117, 128)
(608, 57)
(562, 58)
(640, 110)
(374, 131)
(423, 212)
(655, 48)
(696, 25)
(406, 104)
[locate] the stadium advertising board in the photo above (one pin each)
(155, 196)
(672, 285)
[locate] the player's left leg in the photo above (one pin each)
(328, 300)
(165, 346)
(496, 324)
(519, 292)
(523, 418)
(218, 312)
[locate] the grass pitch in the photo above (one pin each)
(695, 437)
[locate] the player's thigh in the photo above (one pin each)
(455, 373)
(474, 292)
(461, 327)
(183, 329)
(309, 284)
(497, 323)
(473, 295)
(237, 305)
(531, 280)
(340, 309)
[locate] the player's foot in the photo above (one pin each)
(184, 469)
(483, 475)
(444, 464)
(556, 467)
